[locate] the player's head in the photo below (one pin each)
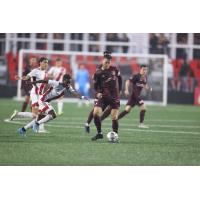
(58, 62)
(33, 61)
(67, 79)
(107, 59)
(43, 62)
(143, 69)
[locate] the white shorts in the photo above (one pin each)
(34, 98)
(45, 107)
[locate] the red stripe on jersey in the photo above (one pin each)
(44, 109)
(42, 85)
(45, 94)
(60, 74)
(35, 104)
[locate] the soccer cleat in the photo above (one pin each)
(35, 127)
(87, 128)
(141, 125)
(97, 136)
(13, 115)
(22, 131)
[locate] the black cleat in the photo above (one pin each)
(87, 128)
(97, 136)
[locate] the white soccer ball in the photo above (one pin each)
(112, 136)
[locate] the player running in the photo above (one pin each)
(46, 111)
(107, 85)
(56, 73)
(138, 81)
(38, 89)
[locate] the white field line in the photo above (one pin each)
(125, 129)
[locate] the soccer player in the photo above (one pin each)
(82, 82)
(138, 82)
(107, 85)
(56, 73)
(56, 91)
(38, 89)
(26, 89)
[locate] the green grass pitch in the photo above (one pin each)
(173, 139)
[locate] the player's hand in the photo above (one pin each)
(17, 77)
(99, 95)
(126, 92)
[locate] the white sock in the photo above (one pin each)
(60, 106)
(29, 125)
(45, 119)
(25, 114)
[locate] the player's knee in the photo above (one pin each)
(127, 109)
(114, 116)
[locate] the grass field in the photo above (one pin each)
(173, 139)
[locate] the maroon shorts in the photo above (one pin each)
(26, 92)
(133, 100)
(104, 102)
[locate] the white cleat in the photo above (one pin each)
(142, 126)
(13, 115)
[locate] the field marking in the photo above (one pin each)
(125, 129)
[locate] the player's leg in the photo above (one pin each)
(25, 103)
(60, 106)
(89, 119)
(142, 115)
(125, 111)
(114, 117)
(106, 113)
(97, 121)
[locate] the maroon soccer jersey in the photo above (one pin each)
(138, 81)
(26, 85)
(108, 82)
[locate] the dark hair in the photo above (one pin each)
(67, 78)
(42, 59)
(142, 66)
(58, 59)
(107, 54)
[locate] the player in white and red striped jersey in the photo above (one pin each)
(56, 73)
(38, 89)
(56, 91)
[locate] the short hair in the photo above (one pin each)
(107, 55)
(42, 59)
(67, 77)
(142, 66)
(58, 59)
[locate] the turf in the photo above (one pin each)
(173, 139)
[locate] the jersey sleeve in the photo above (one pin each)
(71, 89)
(32, 73)
(53, 83)
(119, 79)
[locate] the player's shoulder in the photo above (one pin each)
(114, 67)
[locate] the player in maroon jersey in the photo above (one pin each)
(107, 85)
(138, 82)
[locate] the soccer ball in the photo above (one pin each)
(112, 136)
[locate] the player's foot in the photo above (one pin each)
(35, 127)
(97, 136)
(13, 115)
(141, 125)
(87, 128)
(22, 131)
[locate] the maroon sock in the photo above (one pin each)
(115, 125)
(142, 114)
(24, 106)
(105, 114)
(97, 122)
(122, 114)
(90, 116)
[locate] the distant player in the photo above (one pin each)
(107, 85)
(26, 87)
(82, 82)
(46, 111)
(138, 82)
(38, 89)
(56, 73)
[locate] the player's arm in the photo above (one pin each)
(97, 85)
(24, 78)
(147, 87)
(119, 80)
(74, 93)
(127, 85)
(40, 81)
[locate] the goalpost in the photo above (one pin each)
(128, 63)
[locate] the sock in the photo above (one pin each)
(45, 119)
(29, 125)
(90, 117)
(142, 114)
(115, 125)
(122, 114)
(60, 106)
(24, 106)
(25, 114)
(105, 114)
(97, 123)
